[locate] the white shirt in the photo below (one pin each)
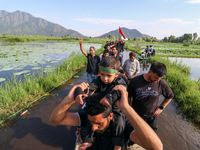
(131, 67)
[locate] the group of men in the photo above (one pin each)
(149, 51)
(137, 101)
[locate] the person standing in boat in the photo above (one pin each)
(93, 61)
(131, 66)
(145, 90)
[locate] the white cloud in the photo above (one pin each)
(160, 34)
(121, 22)
(193, 1)
(174, 21)
(90, 32)
(39, 15)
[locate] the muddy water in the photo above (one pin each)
(34, 131)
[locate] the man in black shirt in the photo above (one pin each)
(145, 91)
(100, 118)
(93, 60)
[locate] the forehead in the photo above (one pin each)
(106, 73)
(91, 48)
(97, 118)
(156, 76)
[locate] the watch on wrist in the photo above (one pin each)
(161, 107)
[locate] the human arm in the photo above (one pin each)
(61, 116)
(134, 75)
(81, 47)
(143, 134)
(164, 104)
(137, 71)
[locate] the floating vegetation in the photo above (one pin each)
(2, 79)
(35, 68)
(3, 55)
(186, 90)
(7, 69)
(21, 72)
(16, 93)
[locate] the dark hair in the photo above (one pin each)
(106, 51)
(94, 107)
(92, 47)
(115, 47)
(132, 54)
(159, 68)
(111, 62)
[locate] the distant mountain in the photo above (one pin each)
(129, 33)
(24, 23)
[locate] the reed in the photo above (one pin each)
(16, 94)
(186, 90)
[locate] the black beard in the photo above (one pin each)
(102, 131)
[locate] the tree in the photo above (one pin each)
(187, 37)
(171, 39)
(165, 39)
(194, 38)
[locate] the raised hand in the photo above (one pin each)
(80, 41)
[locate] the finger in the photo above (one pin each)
(79, 99)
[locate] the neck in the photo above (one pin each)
(146, 77)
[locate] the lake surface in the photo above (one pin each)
(29, 57)
(193, 63)
(35, 131)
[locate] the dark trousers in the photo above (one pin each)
(152, 122)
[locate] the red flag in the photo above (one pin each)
(120, 31)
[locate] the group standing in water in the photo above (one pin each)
(109, 118)
(148, 51)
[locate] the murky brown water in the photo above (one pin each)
(34, 131)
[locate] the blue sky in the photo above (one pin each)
(158, 18)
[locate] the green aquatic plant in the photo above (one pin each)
(16, 94)
(186, 90)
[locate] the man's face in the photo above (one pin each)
(99, 123)
(153, 77)
(105, 54)
(114, 50)
(132, 58)
(92, 51)
(107, 77)
(108, 48)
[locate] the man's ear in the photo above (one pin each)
(110, 116)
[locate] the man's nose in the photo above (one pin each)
(94, 127)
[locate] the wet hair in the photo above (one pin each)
(92, 47)
(94, 107)
(159, 68)
(132, 54)
(111, 62)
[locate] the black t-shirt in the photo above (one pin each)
(146, 95)
(92, 66)
(104, 141)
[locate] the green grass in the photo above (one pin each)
(26, 38)
(186, 90)
(18, 94)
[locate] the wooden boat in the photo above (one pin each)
(143, 59)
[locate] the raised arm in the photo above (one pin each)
(143, 134)
(81, 47)
(61, 116)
